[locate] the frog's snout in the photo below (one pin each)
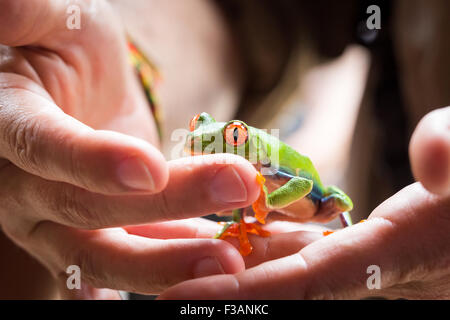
(193, 145)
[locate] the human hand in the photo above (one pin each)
(407, 237)
(63, 180)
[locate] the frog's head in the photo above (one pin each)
(208, 136)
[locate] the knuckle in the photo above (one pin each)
(85, 260)
(70, 208)
(164, 208)
(158, 281)
(21, 135)
(71, 149)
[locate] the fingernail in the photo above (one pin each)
(227, 186)
(134, 174)
(207, 267)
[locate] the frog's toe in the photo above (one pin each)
(331, 206)
(240, 231)
(343, 202)
(230, 229)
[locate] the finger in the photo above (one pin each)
(287, 226)
(277, 246)
(41, 139)
(38, 18)
(203, 228)
(337, 265)
(257, 282)
(430, 151)
(111, 258)
(178, 229)
(277, 216)
(264, 249)
(195, 189)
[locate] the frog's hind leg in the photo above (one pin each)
(238, 228)
(335, 202)
(293, 190)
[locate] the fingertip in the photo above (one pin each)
(430, 151)
(229, 257)
(248, 172)
(223, 181)
(235, 182)
(207, 259)
(218, 257)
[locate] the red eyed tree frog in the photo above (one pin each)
(289, 182)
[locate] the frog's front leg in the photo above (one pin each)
(293, 190)
(238, 228)
(237, 215)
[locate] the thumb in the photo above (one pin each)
(30, 22)
(45, 22)
(430, 151)
(41, 139)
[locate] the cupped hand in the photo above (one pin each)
(68, 183)
(406, 239)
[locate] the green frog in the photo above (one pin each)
(289, 182)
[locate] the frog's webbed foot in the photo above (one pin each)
(333, 203)
(239, 229)
(341, 200)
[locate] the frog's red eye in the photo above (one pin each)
(193, 122)
(235, 133)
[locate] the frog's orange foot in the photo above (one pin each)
(241, 230)
(260, 212)
(259, 206)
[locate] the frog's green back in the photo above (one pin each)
(289, 160)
